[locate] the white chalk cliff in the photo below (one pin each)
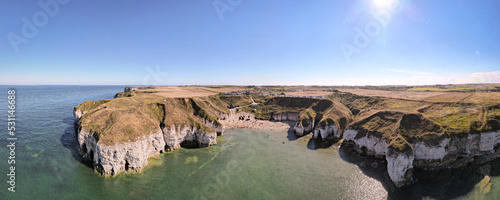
(110, 160)
(449, 152)
(203, 118)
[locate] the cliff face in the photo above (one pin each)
(456, 151)
(130, 89)
(399, 166)
(452, 151)
(110, 160)
(325, 118)
(78, 114)
(303, 127)
(288, 116)
(422, 134)
(368, 144)
(175, 137)
(326, 132)
(120, 135)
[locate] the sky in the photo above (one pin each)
(243, 42)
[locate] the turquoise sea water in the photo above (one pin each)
(245, 164)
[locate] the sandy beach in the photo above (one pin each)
(259, 124)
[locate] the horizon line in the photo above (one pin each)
(265, 85)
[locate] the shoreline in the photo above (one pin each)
(259, 124)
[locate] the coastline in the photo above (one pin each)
(399, 136)
(258, 124)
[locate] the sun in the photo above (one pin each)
(382, 4)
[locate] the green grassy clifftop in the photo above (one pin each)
(136, 113)
(125, 119)
(403, 121)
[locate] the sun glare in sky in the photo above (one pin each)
(382, 4)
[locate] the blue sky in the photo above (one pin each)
(285, 42)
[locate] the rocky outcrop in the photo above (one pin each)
(78, 114)
(326, 132)
(175, 137)
(304, 127)
(321, 131)
(456, 151)
(285, 116)
(432, 156)
(166, 124)
(399, 166)
(214, 125)
(451, 152)
(130, 89)
(123, 94)
(110, 160)
(301, 127)
(368, 145)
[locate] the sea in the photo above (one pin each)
(245, 164)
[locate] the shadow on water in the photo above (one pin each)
(436, 184)
(291, 135)
(314, 144)
(69, 140)
(69, 120)
(375, 168)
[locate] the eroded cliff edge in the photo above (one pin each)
(420, 134)
(119, 135)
